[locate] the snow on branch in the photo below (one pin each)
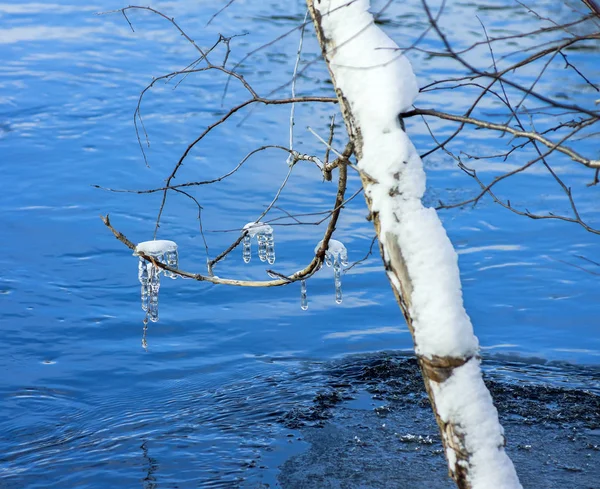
(375, 84)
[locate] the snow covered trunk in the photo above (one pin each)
(374, 83)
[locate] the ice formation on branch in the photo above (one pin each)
(165, 252)
(266, 242)
(303, 296)
(336, 256)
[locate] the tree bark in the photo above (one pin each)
(472, 463)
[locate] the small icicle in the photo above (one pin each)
(165, 252)
(270, 247)
(172, 260)
(143, 277)
(303, 297)
(262, 246)
(162, 258)
(344, 257)
(336, 255)
(337, 274)
(154, 286)
(247, 251)
(144, 331)
(264, 236)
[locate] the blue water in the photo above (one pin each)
(83, 404)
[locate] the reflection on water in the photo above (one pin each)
(228, 373)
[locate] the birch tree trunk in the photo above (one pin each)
(374, 83)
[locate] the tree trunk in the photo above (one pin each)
(417, 254)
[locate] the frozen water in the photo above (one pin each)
(165, 252)
(335, 247)
(172, 260)
(262, 246)
(153, 288)
(143, 278)
(266, 242)
(247, 250)
(336, 256)
(337, 270)
(270, 248)
(303, 297)
(149, 277)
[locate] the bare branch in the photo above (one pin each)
(532, 135)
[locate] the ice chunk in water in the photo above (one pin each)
(165, 252)
(266, 242)
(336, 256)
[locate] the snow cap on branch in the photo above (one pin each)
(365, 57)
(378, 82)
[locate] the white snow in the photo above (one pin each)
(367, 57)
(255, 228)
(465, 400)
(379, 83)
(334, 248)
(155, 247)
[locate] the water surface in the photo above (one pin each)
(83, 404)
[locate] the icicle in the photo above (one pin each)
(344, 257)
(154, 287)
(163, 259)
(247, 251)
(270, 247)
(171, 259)
(337, 270)
(303, 297)
(266, 242)
(336, 256)
(262, 246)
(143, 277)
(164, 252)
(144, 331)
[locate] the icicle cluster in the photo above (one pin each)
(165, 252)
(266, 242)
(336, 256)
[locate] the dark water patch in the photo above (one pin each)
(386, 435)
(521, 391)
